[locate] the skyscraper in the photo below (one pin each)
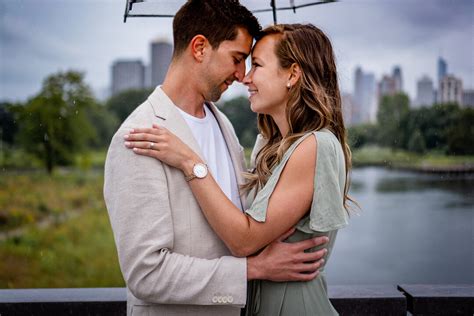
(387, 86)
(425, 94)
(397, 77)
(127, 74)
(161, 53)
(364, 98)
(450, 90)
(442, 69)
(468, 99)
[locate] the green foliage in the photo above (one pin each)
(8, 125)
(417, 143)
(74, 249)
(54, 124)
(443, 128)
(243, 119)
(460, 135)
(362, 135)
(392, 111)
(122, 104)
(105, 123)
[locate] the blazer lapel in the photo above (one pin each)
(234, 149)
(165, 109)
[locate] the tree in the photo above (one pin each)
(105, 123)
(460, 135)
(391, 114)
(361, 135)
(243, 119)
(417, 143)
(54, 124)
(8, 126)
(123, 103)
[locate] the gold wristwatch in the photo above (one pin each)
(199, 171)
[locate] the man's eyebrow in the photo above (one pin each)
(244, 55)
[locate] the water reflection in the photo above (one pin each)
(413, 228)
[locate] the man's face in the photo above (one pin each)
(226, 64)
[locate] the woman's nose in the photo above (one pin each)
(248, 78)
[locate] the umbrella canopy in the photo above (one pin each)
(166, 9)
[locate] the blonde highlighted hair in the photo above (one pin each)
(314, 101)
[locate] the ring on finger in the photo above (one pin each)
(151, 145)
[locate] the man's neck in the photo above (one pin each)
(183, 92)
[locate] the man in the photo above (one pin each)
(172, 261)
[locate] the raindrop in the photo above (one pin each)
(77, 112)
(46, 138)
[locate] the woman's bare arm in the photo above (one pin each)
(290, 201)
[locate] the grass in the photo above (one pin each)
(77, 252)
(374, 155)
(28, 197)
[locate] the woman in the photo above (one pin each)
(301, 174)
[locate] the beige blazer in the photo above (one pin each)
(172, 261)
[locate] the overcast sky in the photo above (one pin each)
(38, 38)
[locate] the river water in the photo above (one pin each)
(413, 228)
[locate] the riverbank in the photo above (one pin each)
(403, 160)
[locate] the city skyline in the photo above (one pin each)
(375, 35)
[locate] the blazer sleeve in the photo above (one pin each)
(136, 195)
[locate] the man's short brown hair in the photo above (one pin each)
(217, 20)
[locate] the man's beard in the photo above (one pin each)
(214, 93)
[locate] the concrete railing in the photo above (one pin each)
(348, 300)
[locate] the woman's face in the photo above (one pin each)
(266, 81)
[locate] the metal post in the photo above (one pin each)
(272, 3)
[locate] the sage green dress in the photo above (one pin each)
(326, 216)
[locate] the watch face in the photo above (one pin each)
(200, 170)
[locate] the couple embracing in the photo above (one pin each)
(196, 232)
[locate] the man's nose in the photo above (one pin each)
(240, 72)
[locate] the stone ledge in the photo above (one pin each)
(348, 300)
(439, 299)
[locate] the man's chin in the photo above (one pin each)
(216, 94)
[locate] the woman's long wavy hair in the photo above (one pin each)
(314, 102)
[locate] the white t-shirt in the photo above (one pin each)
(209, 137)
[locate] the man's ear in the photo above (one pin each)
(295, 74)
(199, 44)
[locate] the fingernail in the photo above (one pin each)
(127, 144)
(126, 136)
(325, 251)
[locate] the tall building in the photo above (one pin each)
(387, 86)
(127, 74)
(347, 108)
(468, 98)
(425, 94)
(364, 98)
(450, 90)
(161, 53)
(442, 69)
(397, 77)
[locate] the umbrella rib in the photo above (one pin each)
(127, 10)
(150, 15)
(294, 7)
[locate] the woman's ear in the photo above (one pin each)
(198, 44)
(295, 74)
